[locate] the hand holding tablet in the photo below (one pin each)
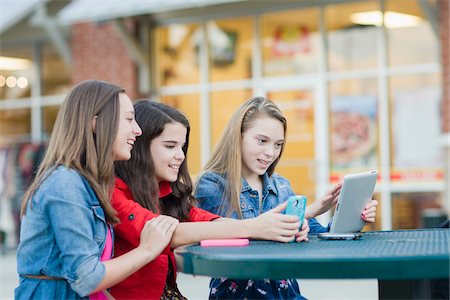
(356, 193)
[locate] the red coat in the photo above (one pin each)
(149, 281)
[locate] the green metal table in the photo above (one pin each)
(395, 258)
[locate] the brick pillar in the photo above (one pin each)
(99, 53)
(444, 20)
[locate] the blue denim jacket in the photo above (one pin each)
(276, 189)
(62, 235)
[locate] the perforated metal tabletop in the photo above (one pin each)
(407, 254)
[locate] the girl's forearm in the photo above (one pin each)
(221, 228)
(311, 211)
(121, 267)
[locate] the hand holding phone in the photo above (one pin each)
(296, 206)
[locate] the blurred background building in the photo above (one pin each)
(364, 85)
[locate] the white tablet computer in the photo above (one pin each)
(356, 193)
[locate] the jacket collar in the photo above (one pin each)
(267, 185)
(164, 189)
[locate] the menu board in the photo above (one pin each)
(354, 135)
(415, 121)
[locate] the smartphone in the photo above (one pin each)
(339, 236)
(296, 206)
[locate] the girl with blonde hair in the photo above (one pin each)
(66, 234)
(239, 181)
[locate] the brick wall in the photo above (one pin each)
(444, 19)
(99, 53)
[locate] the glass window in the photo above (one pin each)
(177, 55)
(415, 109)
(190, 106)
(49, 114)
(222, 106)
(230, 48)
(353, 126)
(352, 43)
(290, 42)
(417, 210)
(298, 159)
(411, 39)
(56, 75)
(15, 123)
(16, 73)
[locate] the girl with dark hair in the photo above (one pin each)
(66, 237)
(156, 181)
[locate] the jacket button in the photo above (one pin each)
(131, 217)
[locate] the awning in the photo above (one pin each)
(100, 10)
(13, 11)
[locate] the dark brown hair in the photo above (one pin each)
(139, 172)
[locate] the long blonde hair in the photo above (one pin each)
(75, 145)
(226, 159)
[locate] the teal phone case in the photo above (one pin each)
(296, 206)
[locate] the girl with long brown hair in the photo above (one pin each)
(66, 234)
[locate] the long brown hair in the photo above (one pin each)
(226, 159)
(75, 145)
(139, 172)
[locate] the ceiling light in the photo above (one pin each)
(12, 63)
(22, 82)
(391, 19)
(11, 81)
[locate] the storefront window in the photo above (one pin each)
(297, 163)
(353, 126)
(56, 74)
(223, 105)
(16, 74)
(189, 105)
(405, 22)
(15, 123)
(177, 49)
(415, 107)
(417, 210)
(352, 42)
(49, 114)
(230, 44)
(290, 42)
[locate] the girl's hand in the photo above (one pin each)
(274, 225)
(156, 234)
(369, 213)
(303, 234)
(325, 203)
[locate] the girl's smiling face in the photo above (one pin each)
(261, 145)
(128, 130)
(167, 151)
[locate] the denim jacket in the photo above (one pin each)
(62, 235)
(276, 189)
